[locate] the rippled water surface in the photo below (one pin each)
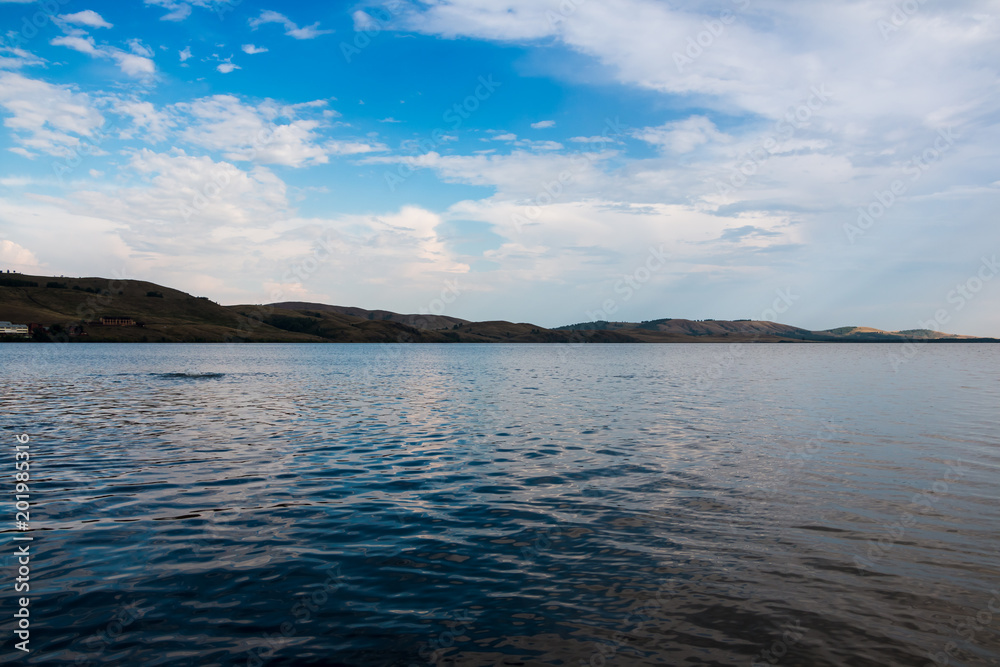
(417, 505)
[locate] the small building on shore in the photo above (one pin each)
(10, 329)
(117, 321)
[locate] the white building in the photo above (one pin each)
(6, 328)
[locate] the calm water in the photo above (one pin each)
(498, 505)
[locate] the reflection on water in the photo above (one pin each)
(510, 505)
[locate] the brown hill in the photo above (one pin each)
(75, 305)
(667, 330)
(331, 325)
(418, 321)
(868, 332)
(72, 308)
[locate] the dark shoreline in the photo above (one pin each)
(583, 342)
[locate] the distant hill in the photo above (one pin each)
(869, 333)
(167, 315)
(695, 327)
(432, 322)
(71, 309)
(760, 331)
(332, 325)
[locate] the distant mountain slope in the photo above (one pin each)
(168, 315)
(761, 331)
(332, 325)
(418, 321)
(696, 327)
(71, 307)
(868, 332)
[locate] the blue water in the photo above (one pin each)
(488, 505)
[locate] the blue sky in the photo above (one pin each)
(822, 164)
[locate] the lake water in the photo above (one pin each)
(495, 505)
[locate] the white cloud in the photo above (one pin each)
(87, 17)
(178, 10)
(77, 43)
(768, 59)
(140, 49)
(597, 139)
(541, 145)
(185, 54)
(353, 147)
(209, 227)
(543, 124)
(133, 65)
(17, 258)
(47, 118)
(21, 58)
(512, 139)
(363, 20)
(138, 63)
(251, 49)
(226, 66)
(518, 175)
(830, 109)
(179, 207)
(682, 136)
(242, 132)
(400, 248)
(148, 122)
(291, 28)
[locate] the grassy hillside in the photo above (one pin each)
(168, 315)
(709, 328)
(336, 327)
(427, 321)
(671, 330)
(73, 305)
(870, 334)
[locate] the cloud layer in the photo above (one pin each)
(844, 149)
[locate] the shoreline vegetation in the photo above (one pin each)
(102, 310)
